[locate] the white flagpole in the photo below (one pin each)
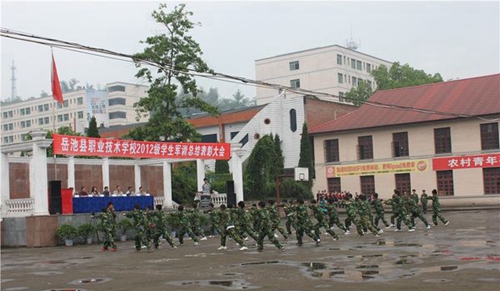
(53, 113)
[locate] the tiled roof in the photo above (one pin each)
(469, 97)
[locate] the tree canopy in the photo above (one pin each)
(178, 54)
(305, 159)
(397, 76)
(92, 131)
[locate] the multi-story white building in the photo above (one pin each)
(332, 69)
(451, 143)
(113, 106)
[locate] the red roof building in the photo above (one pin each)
(440, 136)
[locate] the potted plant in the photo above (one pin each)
(86, 232)
(68, 233)
(123, 225)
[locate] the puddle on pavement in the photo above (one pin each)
(225, 284)
(47, 273)
(65, 289)
(90, 281)
(16, 288)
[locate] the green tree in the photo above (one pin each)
(260, 170)
(221, 167)
(402, 76)
(305, 160)
(184, 182)
(177, 53)
(279, 159)
(360, 94)
(93, 131)
(238, 101)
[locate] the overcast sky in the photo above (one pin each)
(456, 39)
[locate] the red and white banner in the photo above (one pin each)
(89, 146)
(466, 162)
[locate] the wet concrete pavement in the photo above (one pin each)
(464, 255)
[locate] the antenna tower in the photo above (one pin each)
(13, 79)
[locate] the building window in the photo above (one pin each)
(59, 118)
(489, 136)
(28, 123)
(369, 83)
(341, 96)
(117, 101)
(334, 185)
(117, 114)
(442, 140)
(40, 121)
(491, 180)
(66, 104)
(340, 78)
(234, 133)
(23, 124)
(40, 108)
(365, 148)
(354, 82)
(80, 114)
(332, 150)
(339, 59)
(403, 182)
(400, 144)
(294, 66)
(209, 138)
(79, 101)
(293, 120)
(358, 66)
(295, 83)
(353, 64)
(445, 183)
(368, 68)
(367, 185)
(22, 112)
(46, 120)
(116, 88)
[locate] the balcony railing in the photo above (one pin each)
(19, 207)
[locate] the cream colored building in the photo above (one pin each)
(331, 69)
(453, 147)
(113, 106)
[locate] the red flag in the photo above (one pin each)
(56, 86)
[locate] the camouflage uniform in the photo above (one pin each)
(186, 227)
(436, 211)
(108, 223)
(242, 220)
(275, 221)
(265, 230)
(352, 212)
(140, 228)
(393, 209)
(254, 212)
(226, 225)
(365, 218)
(416, 212)
(379, 213)
(304, 225)
(321, 221)
(424, 200)
(195, 219)
(290, 218)
(333, 217)
(159, 219)
(401, 213)
(213, 218)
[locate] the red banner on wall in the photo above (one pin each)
(466, 162)
(89, 146)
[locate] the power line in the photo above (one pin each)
(101, 52)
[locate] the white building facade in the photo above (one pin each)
(331, 69)
(113, 106)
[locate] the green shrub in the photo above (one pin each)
(67, 231)
(86, 230)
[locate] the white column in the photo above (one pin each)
(71, 172)
(137, 176)
(167, 184)
(105, 172)
(237, 168)
(200, 173)
(5, 179)
(39, 185)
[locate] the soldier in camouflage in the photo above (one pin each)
(265, 228)
(424, 200)
(320, 220)
(108, 223)
(401, 212)
(352, 212)
(365, 219)
(185, 226)
(161, 228)
(436, 209)
(304, 224)
(213, 219)
(333, 215)
(379, 212)
(137, 215)
(290, 216)
(195, 218)
(243, 222)
(275, 219)
(226, 224)
(416, 212)
(254, 213)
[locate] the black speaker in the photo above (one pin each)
(231, 199)
(55, 202)
(229, 187)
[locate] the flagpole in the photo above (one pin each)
(53, 113)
